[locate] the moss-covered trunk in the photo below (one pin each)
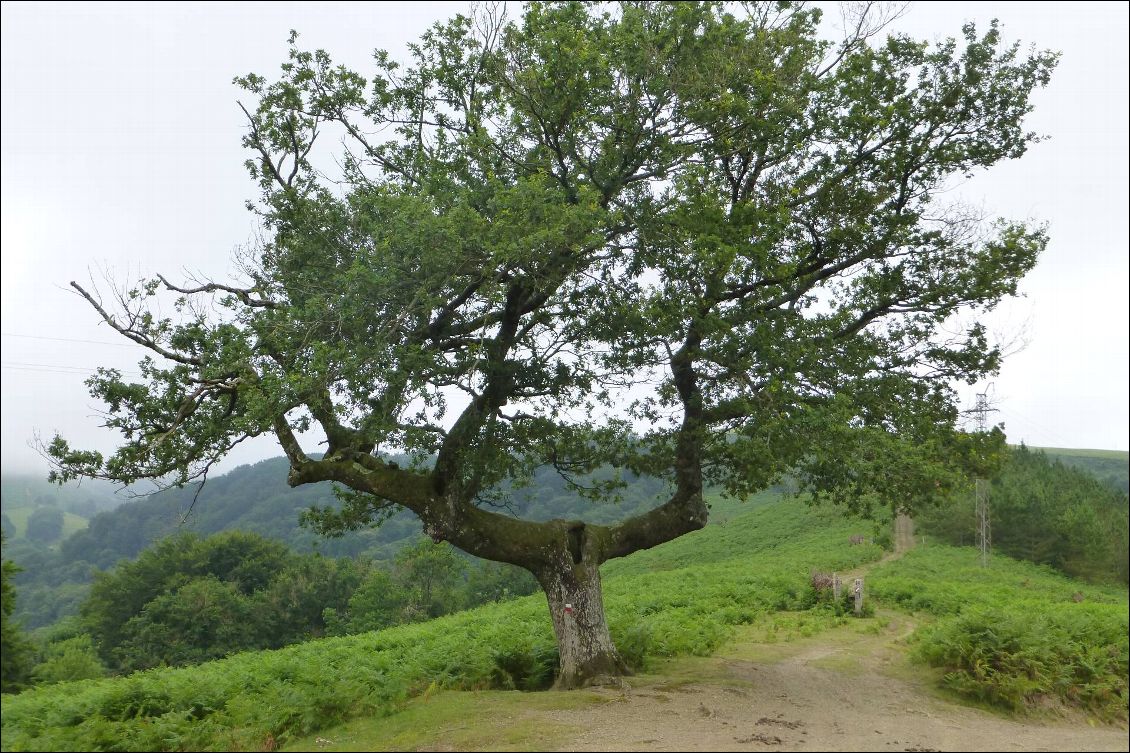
(565, 557)
(576, 605)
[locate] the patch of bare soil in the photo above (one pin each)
(796, 704)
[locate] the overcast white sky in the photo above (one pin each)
(121, 151)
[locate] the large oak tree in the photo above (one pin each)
(690, 239)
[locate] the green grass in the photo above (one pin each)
(19, 515)
(747, 577)
(458, 720)
(944, 580)
(262, 699)
(748, 532)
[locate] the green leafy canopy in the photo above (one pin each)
(691, 239)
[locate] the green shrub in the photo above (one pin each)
(1013, 632)
(68, 659)
(1014, 655)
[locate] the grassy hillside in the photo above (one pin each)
(687, 597)
(18, 515)
(1112, 467)
(248, 700)
(1013, 632)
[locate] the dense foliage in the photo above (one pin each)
(1016, 655)
(15, 660)
(1046, 512)
(1014, 633)
(65, 653)
(189, 599)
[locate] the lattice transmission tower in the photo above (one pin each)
(980, 413)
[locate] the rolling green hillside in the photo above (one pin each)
(1112, 467)
(252, 498)
(686, 597)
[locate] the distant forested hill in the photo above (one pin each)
(255, 498)
(1112, 467)
(85, 500)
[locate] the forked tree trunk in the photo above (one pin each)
(577, 608)
(565, 557)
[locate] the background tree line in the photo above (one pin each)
(55, 577)
(189, 599)
(1046, 512)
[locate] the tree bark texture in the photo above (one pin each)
(576, 606)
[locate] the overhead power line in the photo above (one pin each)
(56, 368)
(71, 340)
(984, 533)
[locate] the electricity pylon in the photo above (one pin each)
(980, 412)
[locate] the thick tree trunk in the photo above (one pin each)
(577, 608)
(565, 557)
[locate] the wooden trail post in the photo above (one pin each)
(857, 589)
(836, 587)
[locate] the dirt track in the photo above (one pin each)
(841, 690)
(843, 696)
(848, 688)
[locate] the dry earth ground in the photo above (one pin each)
(848, 688)
(841, 690)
